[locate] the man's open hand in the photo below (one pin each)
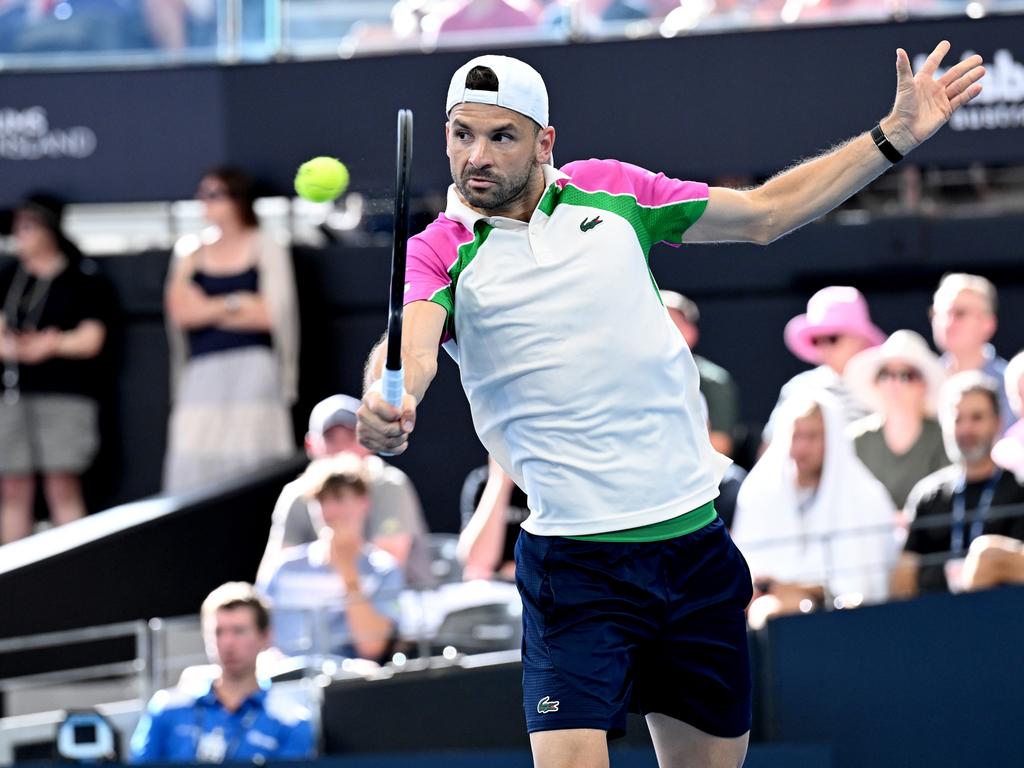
(924, 103)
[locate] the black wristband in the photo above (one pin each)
(884, 146)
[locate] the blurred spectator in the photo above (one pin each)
(56, 314)
(836, 327)
(236, 718)
(493, 509)
(963, 314)
(991, 561)
(716, 383)
(175, 25)
(965, 493)
(825, 11)
(901, 442)
(339, 594)
(731, 482)
(71, 26)
(233, 324)
(461, 16)
(394, 522)
(687, 15)
(1008, 453)
(811, 520)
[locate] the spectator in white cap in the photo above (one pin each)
(836, 326)
(901, 442)
(963, 315)
(394, 521)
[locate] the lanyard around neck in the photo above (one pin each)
(956, 542)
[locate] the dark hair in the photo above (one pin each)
(240, 189)
(237, 594)
(970, 382)
(484, 79)
(48, 209)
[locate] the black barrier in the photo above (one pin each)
(930, 683)
(155, 558)
(701, 107)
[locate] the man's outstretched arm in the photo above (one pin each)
(812, 188)
(380, 426)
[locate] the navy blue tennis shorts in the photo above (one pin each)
(657, 626)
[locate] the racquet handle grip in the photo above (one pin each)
(393, 386)
(393, 390)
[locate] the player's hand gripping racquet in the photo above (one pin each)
(393, 380)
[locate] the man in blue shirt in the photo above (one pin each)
(236, 718)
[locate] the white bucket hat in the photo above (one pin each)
(861, 373)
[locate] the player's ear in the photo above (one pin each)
(545, 144)
(447, 137)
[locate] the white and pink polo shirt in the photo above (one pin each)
(579, 384)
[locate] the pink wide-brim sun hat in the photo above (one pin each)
(834, 311)
(906, 347)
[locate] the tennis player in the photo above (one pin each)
(536, 281)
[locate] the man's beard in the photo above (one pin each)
(975, 453)
(501, 195)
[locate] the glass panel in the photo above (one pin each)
(97, 33)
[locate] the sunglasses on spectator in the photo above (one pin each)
(825, 341)
(211, 193)
(904, 377)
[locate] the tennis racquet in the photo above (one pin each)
(394, 381)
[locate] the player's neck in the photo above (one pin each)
(45, 264)
(902, 428)
(808, 479)
(231, 691)
(968, 360)
(233, 231)
(523, 206)
(983, 469)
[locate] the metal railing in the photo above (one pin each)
(835, 568)
(149, 665)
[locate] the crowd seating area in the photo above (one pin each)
(141, 32)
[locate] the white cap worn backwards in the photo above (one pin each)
(520, 88)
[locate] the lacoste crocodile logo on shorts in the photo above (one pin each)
(545, 705)
(586, 226)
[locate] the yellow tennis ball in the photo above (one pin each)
(321, 179)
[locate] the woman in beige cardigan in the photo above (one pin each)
(233, 327)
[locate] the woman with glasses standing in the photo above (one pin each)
(233, 325)
(901, 442)
(56, 313)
